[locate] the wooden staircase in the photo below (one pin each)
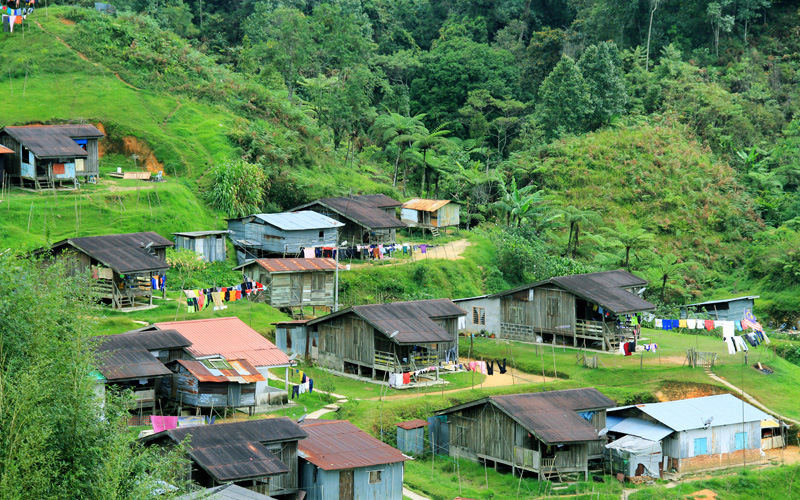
(435, 231)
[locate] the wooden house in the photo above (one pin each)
(411, 436)
(48, 154)
(389, 338)
(136, 361)
(212, 383)
(428, 214)
(231, 338)
(263, 235)
(4, 152)
(209, 244)
(260, 455)
(724, 310)
(685, 435)
(123, 266)
(292, 337)
(368, 219)
(292, 283)
(595, 310)
(339, 461)
(551, 434)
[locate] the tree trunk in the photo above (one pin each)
(649, 32)
(396, 165)
(663, 287)
(627, 256)
(424, 168)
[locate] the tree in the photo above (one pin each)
(238, 188)
(600, 66)
(653, 7)
(565, 104)
(663, 267)
(630, 237)
(574, 217)
(500, 119)
(719, 21)
(425, 141)
(747, 10)
(520, 205)
(396, 129)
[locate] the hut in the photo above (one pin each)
(597, 310)
(3, 152)
(430, 214)
(290, 283)
(294, 338)
(551, 434)
(400, 337)
(368, 219)
(231, 338)
(723, 309)
(288, 233)
(692, 434)
(411, 436)
(209, 244)
(45, 155)
(339, 461)
(483, 314)
(260, 455)
(127, 269)
(212, 383)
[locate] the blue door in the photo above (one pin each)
(741, 440)
(700, 446)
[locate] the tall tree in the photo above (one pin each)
(748, 10)
(565, 104)
(600, 66)
(575, 217)
(719, 21)
(630, 237)
(399, 130)
(425, 141)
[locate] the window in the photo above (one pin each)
(375, 476)
(322, 234)
(552, 306)
(700, 446)
(478, 315)
(517, 314)
(740, 440)
(317, 282)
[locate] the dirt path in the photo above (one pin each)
(750, 399)
(450, 251)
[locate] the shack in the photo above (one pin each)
(293, 337)
(264, 235)
(292, 283)
(368, 219)
(597, 310)
(693, 434)
(212, 383)
(551, 434)
(378, 339)
(723, 310)
(209, 244)
(411, 436)
(46, 155)
(339, 461)
(127, 269)
(429, 214)
(3, 152)
(483, 314)
(260, 455)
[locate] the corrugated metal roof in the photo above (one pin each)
(722, 301)
(412, 320)
(412, 424)
(294, 265)
(200, 234)
(641, 428)
(127, 355)
(424, 205)
(551, 416)
(236, 451)
(685, 414)
(363, 210)
(299, 221)
(229, 338)
(228, 491)
(124, 253)
(293, 322)
(338, 444)
(52, 141)
(240, 371)
(5, 150)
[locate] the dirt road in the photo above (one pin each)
(449, 251)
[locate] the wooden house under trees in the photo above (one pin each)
(377, 339)
(209, 244)
(46, 155)
(260, 455)
(368, 219)
(596, 310)
(551, 434)
(723, 309)
(290, 283)
(430, 214)
(124, 267)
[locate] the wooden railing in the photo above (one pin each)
(587, 328)
(386, 359)
(425, 360)
(145, 396)
(524, 457)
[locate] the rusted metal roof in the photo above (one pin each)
(294, 265)
(236, 451)
(293, 322)
(338, 444)
(239, 370)
(412, 424)
(413, 321)
(363, 210)
(124, 253)
(53, 141)
(127, 355)
(551, 416)
(229, 338)
(5, 150)
(201, 234)
(424, 205)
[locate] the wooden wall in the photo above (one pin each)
(552, 310)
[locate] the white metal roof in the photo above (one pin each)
(297, 221)
(722, 301)
(642, 428)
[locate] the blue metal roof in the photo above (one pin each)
(298, 221)
(638, 427)
(685, 414)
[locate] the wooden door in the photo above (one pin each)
(297, 289)
(234, 394)
(346, 484)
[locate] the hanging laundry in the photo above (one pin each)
(502, 367)
(682, 323)
(731, 345)
(738, 326)
(658, 321)
(709, 324)
(406, 378)
(309, 252)
(423, 248)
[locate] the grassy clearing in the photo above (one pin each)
(779, 391)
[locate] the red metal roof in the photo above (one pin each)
(289, 265)
(240, 371)
(338, 444)
(425, 205)
(5, 150)
(412, 424)
(229, 338)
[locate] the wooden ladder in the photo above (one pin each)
(435, 231)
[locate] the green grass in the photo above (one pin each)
(775, 483)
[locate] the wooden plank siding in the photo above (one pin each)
(297, 289)
(551, 311)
